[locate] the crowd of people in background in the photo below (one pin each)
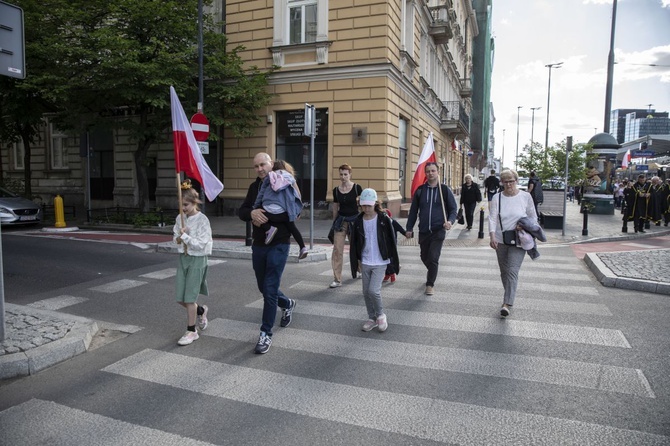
(644, 201)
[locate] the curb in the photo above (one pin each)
(607, 278)
(75, 342)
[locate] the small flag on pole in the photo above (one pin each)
(187, 155)
(427, 155)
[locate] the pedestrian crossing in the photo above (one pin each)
(424, 390)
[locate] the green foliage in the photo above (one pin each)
(533, 158)
(110, 63)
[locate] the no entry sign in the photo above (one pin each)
(200, 126)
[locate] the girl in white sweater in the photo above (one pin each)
(194, 242)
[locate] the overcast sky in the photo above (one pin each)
(530, 34)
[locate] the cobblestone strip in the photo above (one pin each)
(24, 331)
(651, 264)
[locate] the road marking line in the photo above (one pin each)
(118, 285)
(399, 291)
(496, 326)
(420, 417)
(45, 422)
(504, 365)
(58, 302)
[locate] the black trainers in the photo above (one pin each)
(264, 343)
(286, 314)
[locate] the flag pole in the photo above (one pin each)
(181, 208)
(439, 186)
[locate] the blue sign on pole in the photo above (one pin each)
(641, 154)
(641, 167)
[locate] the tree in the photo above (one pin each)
(112, 63)
(533, 159)
(23, 103)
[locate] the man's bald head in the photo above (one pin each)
(262, 164)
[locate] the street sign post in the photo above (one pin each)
(641, 154)
(200, 126)
(12, 46)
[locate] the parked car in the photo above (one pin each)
(522, 184)
(16, 210)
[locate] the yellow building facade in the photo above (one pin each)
(382, 74)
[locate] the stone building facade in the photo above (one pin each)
(382, 74)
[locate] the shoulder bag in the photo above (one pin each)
(509, 237)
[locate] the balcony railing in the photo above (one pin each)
(440, 27)
(456, 121)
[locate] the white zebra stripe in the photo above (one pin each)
(419, 417)
(527, 368)
(495, 326)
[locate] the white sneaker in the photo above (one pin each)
(188, 338)
(335, 284)
(202, 319)
(369, 325)
(382, 323)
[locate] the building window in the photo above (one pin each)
(407, 32)
(18, 154)
(302, 25)
(58, 148)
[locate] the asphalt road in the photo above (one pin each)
(576, 363)
(34, 265)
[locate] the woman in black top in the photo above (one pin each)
(470, 196)
(345, 210)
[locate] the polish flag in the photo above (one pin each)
(455, 146)
(187, 155)
(625, 160)
(427, 155)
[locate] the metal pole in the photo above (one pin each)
(311, 181)
(2, 294)
(201, 94)
(610, 74)
(502, 157)
(516, 157)
(568, 149)
(546, 138)
(88, 177)
(532, 131)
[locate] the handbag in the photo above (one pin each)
(509, 237)
(461, 219)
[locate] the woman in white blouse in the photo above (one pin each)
(507, 208)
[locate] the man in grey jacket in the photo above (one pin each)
(430, 206)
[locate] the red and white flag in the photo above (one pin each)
(187, 155)
(427, 155)
(626, 159)
(455, 146)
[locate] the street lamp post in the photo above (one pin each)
(546, 138)
(532, 130)
(516, 157)
(502, 157)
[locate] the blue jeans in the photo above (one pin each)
(269, 263)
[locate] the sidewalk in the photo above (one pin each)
(39, 338)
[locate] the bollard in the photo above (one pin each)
(585, 229)
(58, 212)
(481, 223)
(624, 228)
